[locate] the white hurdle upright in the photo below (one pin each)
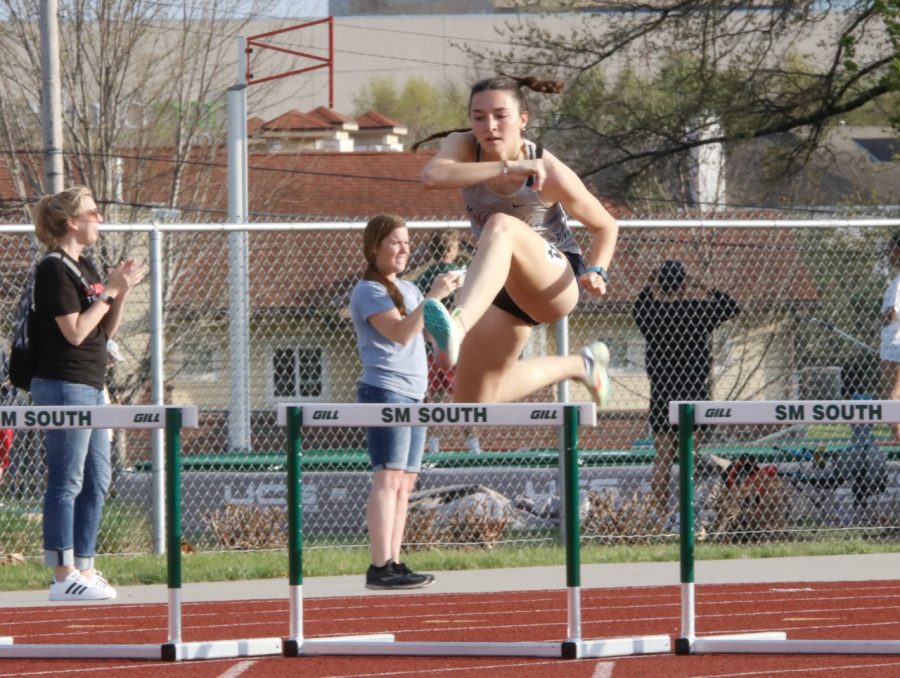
(687, 415)
(295, 417)
(173, 419)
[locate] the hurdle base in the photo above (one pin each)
(293, 647)
(693, 645)
(612, 647)
(778, 643)
(221, 649)
(217, 649)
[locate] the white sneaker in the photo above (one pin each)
(441, 325)
(596, 378)
(76, 587)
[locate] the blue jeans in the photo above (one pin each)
(400, 447)
(78, 477)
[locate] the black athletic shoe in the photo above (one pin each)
(388, 577)
(403, 569)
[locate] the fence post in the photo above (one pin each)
(157, 396)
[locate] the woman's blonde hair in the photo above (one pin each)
(377, 229)
(52, 213)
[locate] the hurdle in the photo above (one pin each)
(173, 419)
(687, 415)
(298, 416)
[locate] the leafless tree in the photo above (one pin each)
(143, 89)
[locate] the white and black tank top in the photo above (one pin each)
(525, 204)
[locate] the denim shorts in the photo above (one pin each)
(398, 448)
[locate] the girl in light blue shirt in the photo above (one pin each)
(387, 316)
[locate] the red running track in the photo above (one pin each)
(832, 610)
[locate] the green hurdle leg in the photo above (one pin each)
(686, 507)
(572, 530)
(173, 530)
(291, 646)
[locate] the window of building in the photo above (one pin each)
(297, 372)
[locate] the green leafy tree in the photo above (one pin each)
(644, 81)
(424, 108)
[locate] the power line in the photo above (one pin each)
(224, 165)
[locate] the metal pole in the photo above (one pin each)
(331, 62)
(561, 327)
(51, 97)
(238, 261)
(157, 382)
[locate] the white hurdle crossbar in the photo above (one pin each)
(296, 417)
(172, 419)
(687, 415)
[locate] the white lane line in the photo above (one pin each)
(422, 672)
(769, 672)
(603, 670)
(136, 665)
(237, 669)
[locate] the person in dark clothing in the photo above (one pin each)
(77, 313)
(677, 316)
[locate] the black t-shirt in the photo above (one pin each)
(58, 292)
(678, 339)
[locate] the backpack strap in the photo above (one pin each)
(71, 266)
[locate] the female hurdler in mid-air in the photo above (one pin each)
(528, 268)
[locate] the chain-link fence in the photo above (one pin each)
(253, 318)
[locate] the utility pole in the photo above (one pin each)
(238, 213)
(51, 98)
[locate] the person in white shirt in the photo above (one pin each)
(890, 330)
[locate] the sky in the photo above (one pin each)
(304, 9)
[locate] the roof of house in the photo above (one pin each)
(253, 125)
(762, 266)
(347, 186)
(329, 115)
(375, 120)
(760, 269)
(855, 165)
(295, 121)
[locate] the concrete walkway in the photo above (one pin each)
(762, 570)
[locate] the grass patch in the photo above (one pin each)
(124, 529)
(231, 566)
